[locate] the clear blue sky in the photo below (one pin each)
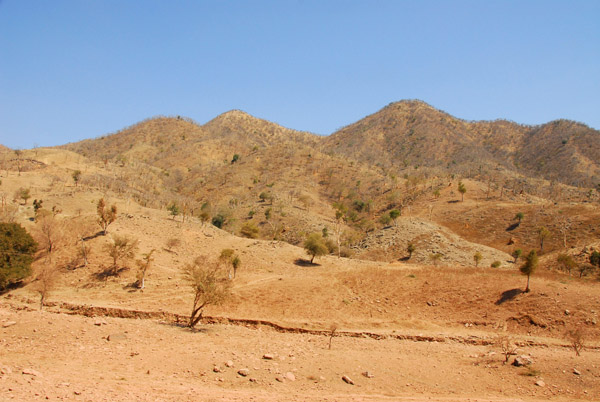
(78, 69)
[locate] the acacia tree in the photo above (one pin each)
(76, 177)
(516, 254)
(519, 216)
(543, 234)
(462, 190)
(210, 285)
(567, 262)
(105, 216)
(477, 258)
(231, 261)
(531, 263)
(315, 246)
(410, 249)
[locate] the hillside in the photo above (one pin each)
(414, 134)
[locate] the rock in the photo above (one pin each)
(8, 324)
(576, 372)
(243, 372)
(116, 337)
(368, 374)
(347, 380)
(252, 379)
(216, 369)
(321, 378)
(268, 356)
(5, 370)
(99, 322)
(32, 372)
(279, 378)
(229, 363)
(567, 312)
(540, 383)
(522, 360)
(290, 376)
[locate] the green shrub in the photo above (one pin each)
(496, 264)
(17, 248)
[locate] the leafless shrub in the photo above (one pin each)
(506, 346)
(576, 338)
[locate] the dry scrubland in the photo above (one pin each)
(397, 328)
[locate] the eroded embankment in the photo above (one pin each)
(181, 320)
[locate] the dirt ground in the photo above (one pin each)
(51, 355)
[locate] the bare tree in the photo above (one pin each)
(577, 339)
(46, 279)
(507, 346)
(143, 267)
(210, 284)
(50, 235)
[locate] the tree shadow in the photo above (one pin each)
(108, 272)
(11, 286)
(404, 258)
(301, 262)
(508, 295)
(453, 201)
(98, 234)
(512, 227)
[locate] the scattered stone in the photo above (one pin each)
(252, 379)
(279, 378)
(268, 356)
(540, 383)
(229, 363)
(8, 324)
(32, 372)
(5, 370)
(116, 337)
(216, 369)
(347, 380)
(567, 312)
(368, 374)
(100, 322)
(290, 376)
(522, 360)
(576, 372)
(321, 378)
(243, 372)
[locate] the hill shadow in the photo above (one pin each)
(512, 227)
(301, 262)
(508, 295)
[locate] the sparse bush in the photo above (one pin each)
(435, 258)
(507, 346)
(543, 234)
(209, 283)
(519, 216)
(173, 209)
(105, 216)
(235, 158)
(576, 338)
(231, 260)
(566, 262)
(496, 264)
(385, 219)
(17, 249)
(315, 246)
(121, 248)
(23, 194)
(172, 243)
(249, 230)
(477, 258)
(46, 279)
(595, 258)
(394, 214)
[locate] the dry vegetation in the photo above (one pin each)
(413, 274)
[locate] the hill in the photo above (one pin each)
(414, 134)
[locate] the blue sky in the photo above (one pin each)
(78, 69)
